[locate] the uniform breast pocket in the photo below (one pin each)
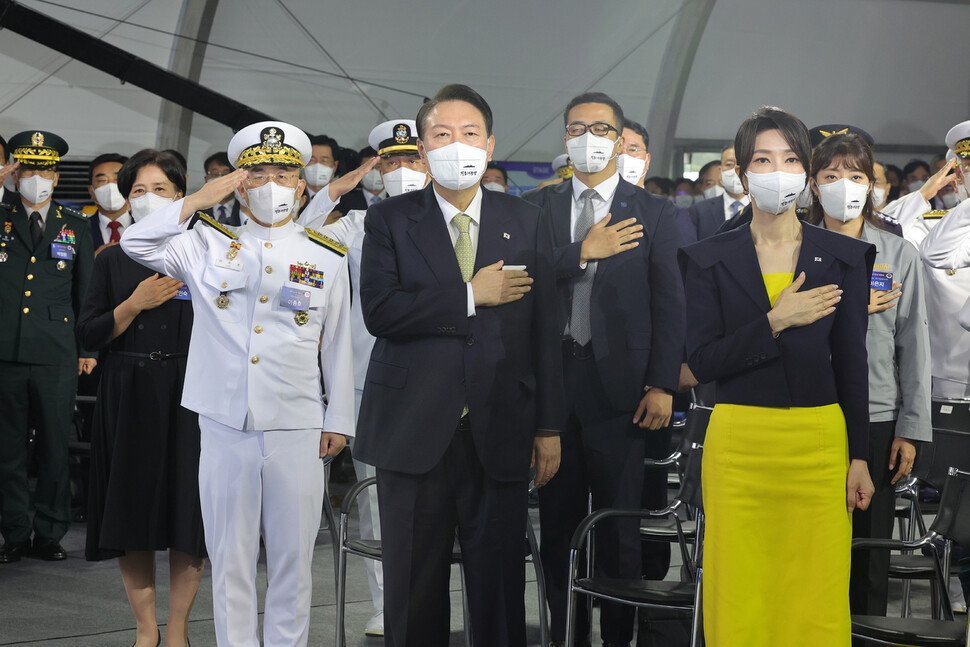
(226, 290)
(303, 309)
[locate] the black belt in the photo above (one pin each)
(574, 349)
(155, 355)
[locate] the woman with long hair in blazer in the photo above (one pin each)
(776, 317)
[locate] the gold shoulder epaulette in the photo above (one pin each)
(326, 241)
(215, 224)
(67, 211)
(936, 213)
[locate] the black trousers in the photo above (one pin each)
(43, 397)
(602, 453)
(419, 515)
(869, 583)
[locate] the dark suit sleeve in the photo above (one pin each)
(95, 324)
(688, 229)
(712, 353)
(550, 391)
(392, 310)
(83, 266)
(849, 357)
(666, 305)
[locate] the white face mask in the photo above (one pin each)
(731, 181)
(495, 186)
(843, 199)
(775, 192)
(404, 180)
(915, 186)
(631, 168)
(147, 203)
(372, 181)
(36, 189)
(683, 200)
(879, 196)
(950, 199)
(240, 197)
(457, 166)
(715, 191)
(271, 203)
(804, 200)
(961, 190)
(590, 153)
(108, 197)
(318, 174)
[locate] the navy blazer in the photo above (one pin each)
(637, 302)
(729, 339)
(233, 219)
(96, 236)
(707, 216)
(431, 359)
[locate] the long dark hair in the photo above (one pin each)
(854, 153)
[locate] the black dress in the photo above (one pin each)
(144, 486)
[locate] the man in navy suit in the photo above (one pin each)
(622, 322)
(464, 386)
(113, 215)
(227, 211)
(707, 215)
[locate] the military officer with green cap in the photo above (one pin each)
(46, 257)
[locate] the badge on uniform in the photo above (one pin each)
(66, 236)
(7, 226)
(222, 301)
(234, 247)
(3, 257)
(882, 281)
(183, 294)
(62, 251)
(298, 300)
(306, 275)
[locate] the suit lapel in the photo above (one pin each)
(429, 234)
(619, 211)
(741, 262)
(812, 259)
(491, 242)
(560, 207)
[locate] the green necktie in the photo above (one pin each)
(463, 246)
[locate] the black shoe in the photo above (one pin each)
(48, 549)
(12, 551)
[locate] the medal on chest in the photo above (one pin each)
(234, 247)
(222, 301)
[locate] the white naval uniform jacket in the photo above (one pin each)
(250, 364)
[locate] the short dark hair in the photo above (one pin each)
(914, 164)
(455, 92)
(707, 167)
(771, 118)
(595, 97)
(168, 163)
(366, 152)
(179, 157)
(684, 180)
(666, 186)
(638, 129)
(324, 140)
(855, 153)
(500, 169)
(3, 145)
(222, 157)
(103, 158)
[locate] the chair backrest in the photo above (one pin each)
(953, 518)
(950, 446)
(690, 485)
(695, 429)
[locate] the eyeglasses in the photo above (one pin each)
(600, 129)
(283, 178)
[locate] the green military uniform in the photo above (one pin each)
(41, 289)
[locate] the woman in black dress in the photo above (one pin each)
(144, 446)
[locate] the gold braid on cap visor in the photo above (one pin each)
(260, 154)
(962, 147)
(36, 156)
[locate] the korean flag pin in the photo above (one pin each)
(818, 259)
(506, 236)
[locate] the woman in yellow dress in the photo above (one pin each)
(777, 318)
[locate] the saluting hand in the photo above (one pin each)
(153, 292)
(212, 193)
(938, 180)
(605, 240)
(346, 183)
(493, 286)
(880, 300)
(7, 170)
(794, 308)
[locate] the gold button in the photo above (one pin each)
(269, 269)
(258, 329)
(26, 310)
(255, 359)
(33, 259)
(30, 277)
(263, 299)
(65, 319)
(268, 244)
(27, 293)
(225, 285)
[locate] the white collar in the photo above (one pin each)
(605, 189)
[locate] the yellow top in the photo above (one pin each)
(775, 282)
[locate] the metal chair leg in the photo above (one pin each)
(696, 634)
(571, 602)
(540, 584)
(341, 638)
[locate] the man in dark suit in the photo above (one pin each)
(708, 214)
(113, 215)
(464, 386)
(622, 319)
(45, 264)
(6, 195)
(227, 211)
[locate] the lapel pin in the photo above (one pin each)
(506, 236)
(818, 259)
(623, 204)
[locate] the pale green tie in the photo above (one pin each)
(463, 246)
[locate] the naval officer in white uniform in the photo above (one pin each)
(272, 308)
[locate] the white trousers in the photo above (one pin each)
(253, 483)
(370, 523)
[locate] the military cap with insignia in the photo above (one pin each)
(394, 137)
(269, 142)
(560, 164)
(958, 139)
(37, 148)
(818, 134)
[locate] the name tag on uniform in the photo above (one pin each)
(62, 251)
(294, 298)
(882, 281)
(183, 294)
(235, 266)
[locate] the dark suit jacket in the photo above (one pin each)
(729, 339)
(707, 216)
(39, 328)
(637, 302)
(233, 214)
(431, 359)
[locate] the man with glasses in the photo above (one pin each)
(46, 257)
(227, 211)
(271, 302)
(622, 322)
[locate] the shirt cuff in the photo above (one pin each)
(470, 300)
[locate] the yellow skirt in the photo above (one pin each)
(778, 536)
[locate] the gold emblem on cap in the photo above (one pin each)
(402, 133)
(844, 131)
(272, 140)
(962, 147)
(271, 149)
(37, 139)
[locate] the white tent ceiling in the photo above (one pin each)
(894, 67)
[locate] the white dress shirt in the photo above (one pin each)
(745, 200)
(605, 191)
(103, 220)
(473, 211)
(371, 198)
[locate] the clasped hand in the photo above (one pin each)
(493, 286)
(794, 308)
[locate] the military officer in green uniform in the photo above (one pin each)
(46, 257)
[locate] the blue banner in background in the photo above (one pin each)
(526, 175)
